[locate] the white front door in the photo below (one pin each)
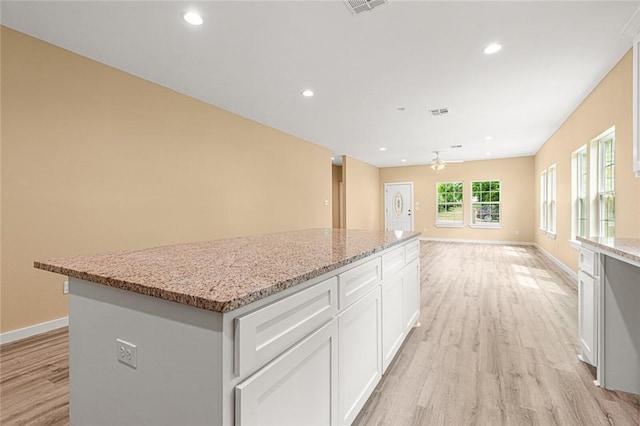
(398, 206)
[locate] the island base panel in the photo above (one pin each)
(105, 391)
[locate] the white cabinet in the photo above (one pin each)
(263, 334)
(392, 319)
(400, 309)
(297, 388)
(360, 361)
(411, 295)
(588, 306)
(327, 377)
(357, 281)
(587, 325)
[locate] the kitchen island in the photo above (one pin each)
(609, 310)
(288, 328)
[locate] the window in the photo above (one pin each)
(606, 185)
(579, 191)
(485, 203)
(548, 201)
(551, 199)
(449, 209)
(543, 201)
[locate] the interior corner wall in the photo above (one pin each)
(517, 206)
(94, 160)
(609, 104)
(362, 198)
(336, 179)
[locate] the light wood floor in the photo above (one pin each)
(497, 346)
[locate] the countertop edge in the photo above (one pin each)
(223, 306)
(611, 249)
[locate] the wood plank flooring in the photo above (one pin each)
(34, 380)
(497, 345)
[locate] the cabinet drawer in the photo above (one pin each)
(588, 262)
(263, 334)
(412, 251)
(300, 387)
(355, 282)
(392, 262)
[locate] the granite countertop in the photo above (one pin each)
(223, 275)
(628, 248)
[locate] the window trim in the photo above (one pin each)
(579, 181)
(552, 220)
(543, 201)
(548, 201)
(594, 160)
(485, 225)
(440, 224)
(601, 177)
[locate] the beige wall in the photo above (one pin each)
(516, 175)
(94, 159)
(336, 178)
(609, 104)
(362, 197)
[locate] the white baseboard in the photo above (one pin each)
(43, 327)
(562, 266)
(456, 240)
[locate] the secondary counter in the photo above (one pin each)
(609, 318)
(290, 328)
(223, 275)
(624, 248)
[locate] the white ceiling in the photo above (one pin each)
(255, 58)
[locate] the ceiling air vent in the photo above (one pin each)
(357, 6)
(439, 111)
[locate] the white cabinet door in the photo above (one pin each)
(587, 317)
(297, 388)
(411, 295)
(392, 318)
(360, 360)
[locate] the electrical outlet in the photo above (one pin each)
(127, 353)
(65, 287)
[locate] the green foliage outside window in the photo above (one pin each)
(450, 204)
(485, 202)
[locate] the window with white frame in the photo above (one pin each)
(579, 191)
(606, 185)
(551, 199)
(486, 203)
(548, 200)
(449, 210)
(543, 200)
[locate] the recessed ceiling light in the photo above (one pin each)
(383, 149)
(492, 48)
(488, 154)
(333, 158)
(488, 138)
(307, 93)
(192, 18)
(404, 160)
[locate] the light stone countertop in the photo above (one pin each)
(628, 248)
(223, 275)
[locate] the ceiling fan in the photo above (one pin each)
(439, 164)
